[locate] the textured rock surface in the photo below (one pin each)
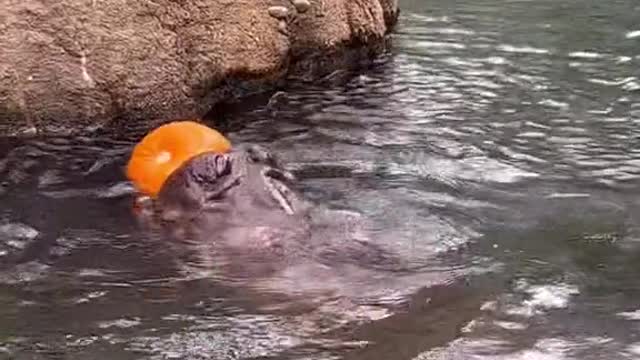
(79, 63)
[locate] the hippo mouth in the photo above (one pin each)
(272, 180)
(280, 193)
(271, 174)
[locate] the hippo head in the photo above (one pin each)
(246, 183)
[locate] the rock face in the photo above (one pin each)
(78, 63)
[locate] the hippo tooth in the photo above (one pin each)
(278, 12)
(302, 6)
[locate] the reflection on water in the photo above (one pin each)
(494, 148)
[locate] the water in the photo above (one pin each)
(495, 143)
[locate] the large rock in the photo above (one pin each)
(78, 63)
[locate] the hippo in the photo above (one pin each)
(243, 209)
(239, 220)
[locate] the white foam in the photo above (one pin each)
(585, 55)
(18, 230)
(551, 296)
(633, 34)
(543, 297)
(120, 323)
(567, 195)
(493, 349)
(554, 104)
(624, 59)
(510, 325)
(522, 49)
(630, 315)
(633, 349)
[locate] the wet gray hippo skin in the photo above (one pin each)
(243, 207)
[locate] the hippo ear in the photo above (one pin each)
(259, 154)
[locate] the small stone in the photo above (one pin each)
(282, 27)
(279, 12)
(302, 6)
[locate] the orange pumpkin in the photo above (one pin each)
(167, 147)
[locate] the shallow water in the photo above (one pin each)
(495, 143)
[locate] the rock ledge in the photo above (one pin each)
(76, 64)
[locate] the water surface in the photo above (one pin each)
(495, 145)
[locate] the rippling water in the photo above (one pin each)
(495, 143)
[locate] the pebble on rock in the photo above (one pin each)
(282, 27)
(302, 6)
(278, 12)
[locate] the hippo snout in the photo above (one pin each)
(208, 167)
(193, 185)
(247, 183)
